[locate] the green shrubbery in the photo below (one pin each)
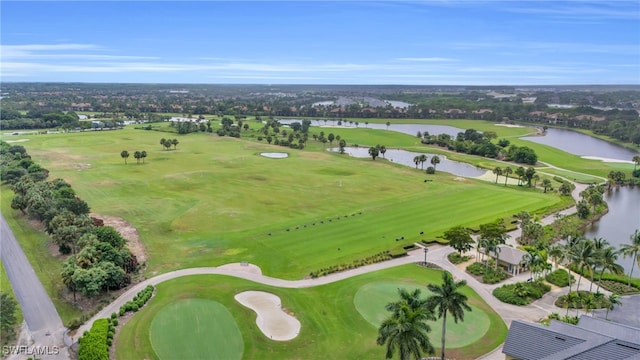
(455, 258)
(618, 287)
(559, 278)
(138, 301)
(379, 257)
(566, 318)
(489, 274)
(521, 293)
(582, 300)
(94, 344)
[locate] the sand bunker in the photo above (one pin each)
(509, 125)
(274, 155)
(17, 141)
(603, 159)
(246, 267)
(272, 320)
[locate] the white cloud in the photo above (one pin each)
(427, 59)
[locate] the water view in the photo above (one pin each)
(409, 129)
(406, 158)
(621, 221)
(584, 145)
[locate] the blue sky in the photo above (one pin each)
(322, 42)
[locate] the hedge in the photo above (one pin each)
(138, 301)
(379, 257)
(559, 278)
(522, 293)
(93, 345)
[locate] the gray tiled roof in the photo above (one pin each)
(591, 339)
(533, 341)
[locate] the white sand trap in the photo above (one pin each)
(509, 125)
(274, 155)
(246, 267)
(17, 141)
(608, 160)
(272, 320)
(490, 176)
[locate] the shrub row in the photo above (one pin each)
(559, 278)
(379, 257)
(566, 318)
(138, 301)
(521, 293)
(434, 241)
(618, 287)
(455, 258)
(94, 344)
(598, 301)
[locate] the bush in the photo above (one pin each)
(94, 344)
(488, 273)
(455, 258)
(522, 293)
(476, 269)
(138, 301)
(431, 170)
(559, 278)
(599, 300)
(383, 256)
(617, 287)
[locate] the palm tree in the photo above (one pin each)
(373, 151)
(423, 158)
(162, 141)
(143, 155)
(632, 250)
(582, 255)
(124, 154)
(607, 262)
(383, 149)
(636, 162)
(435, 160)
(175, 143)
(447, 298)
(406, 329)
(416, 160)
(506, 173)
(546, 184)
(498, 172)
(614, 299)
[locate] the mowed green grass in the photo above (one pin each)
(330, 322)
(195, 329)
(374, 296)
(574, 176)
(215, 200)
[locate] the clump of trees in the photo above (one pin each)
(138, 155)
(475, 143)
(99, 260)
(8, 307)
(167, 143)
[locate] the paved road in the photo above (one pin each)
(41, 316)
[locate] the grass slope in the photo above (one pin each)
(330, 322)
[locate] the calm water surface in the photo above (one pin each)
(620, 222)
(583, 145)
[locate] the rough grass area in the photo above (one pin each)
(195, 329)
(521, 293)
(331, 324)
(559, 278)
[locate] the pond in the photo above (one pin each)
(620, 222)
(406, 158)
(584, 145)
(409, 129)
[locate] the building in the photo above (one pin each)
(591, 339)
(513, 260)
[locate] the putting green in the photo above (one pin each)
(196, 329)
(371, 299)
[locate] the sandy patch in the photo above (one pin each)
(272, 319)
(275, 155)
(460, 179)
(607, 160)
(17, 141)
(490, 176)
(128, 232)
(245, 267)
(509, 125)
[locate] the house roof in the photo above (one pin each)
(591, 339)
(508, 254)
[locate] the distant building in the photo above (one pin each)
(591, 339)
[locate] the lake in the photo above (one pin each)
(409, 129)
(406, 158)
(620, 222)
(584, 145)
